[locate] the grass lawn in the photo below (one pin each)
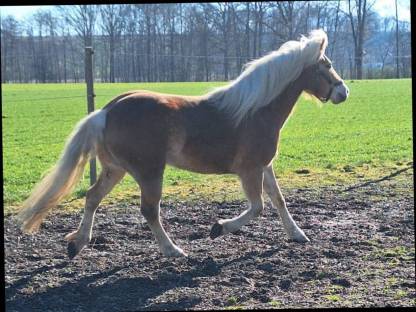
(367, 137)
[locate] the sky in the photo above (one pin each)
(20, 12)
(387, 8)
(383, 7)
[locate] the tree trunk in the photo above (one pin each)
(358, 30)
(247, 32)
(112, 76)
(397, 44)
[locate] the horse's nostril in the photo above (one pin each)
(342, 96)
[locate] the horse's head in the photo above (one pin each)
(323, 82)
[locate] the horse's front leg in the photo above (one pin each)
(252, 182)
(272, 189)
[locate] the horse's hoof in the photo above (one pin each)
(300, 238)
(175, 252)
(216, 230)
(72, 250)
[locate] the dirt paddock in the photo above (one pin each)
(361, 253)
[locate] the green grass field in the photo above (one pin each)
(366, 137)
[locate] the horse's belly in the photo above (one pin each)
(196, 164)
(202, 158)
(199, 153)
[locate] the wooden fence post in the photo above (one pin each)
(89, 79)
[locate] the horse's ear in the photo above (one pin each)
(323, 46)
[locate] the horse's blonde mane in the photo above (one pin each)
(265, 78)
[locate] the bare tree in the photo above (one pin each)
(195, 41)
(112, 23)
(286, 10)
(285, 19)
(82, 18)
(247, 31)
(258, 28)
(9, 36)
(223, 22)
(358, 18)
(397, 43)
(52, 42)
(405, 48)
(42, 56)
(335, 28)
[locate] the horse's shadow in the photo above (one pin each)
(105, 291)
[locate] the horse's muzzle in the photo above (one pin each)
(340, 93)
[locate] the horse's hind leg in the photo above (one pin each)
(108, 178)
(272, 189)
(151, 192)
(252, 182)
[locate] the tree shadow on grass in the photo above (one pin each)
(387, 177)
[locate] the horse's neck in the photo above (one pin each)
(282, 105)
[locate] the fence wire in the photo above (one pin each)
(215, 62)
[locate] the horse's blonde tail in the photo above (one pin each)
(61, 179)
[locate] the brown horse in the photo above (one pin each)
(233, 129)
